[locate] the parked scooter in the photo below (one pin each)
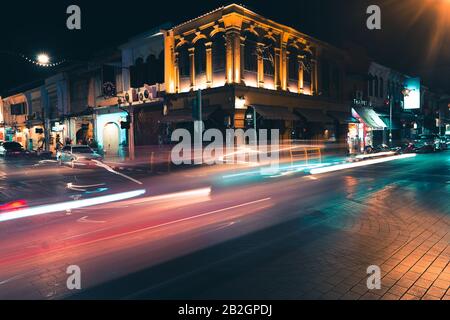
(379, 148)
(408, 148)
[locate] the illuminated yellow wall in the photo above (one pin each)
(235, 22)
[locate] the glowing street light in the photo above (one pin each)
(43, 59)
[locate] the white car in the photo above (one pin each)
(77, 155)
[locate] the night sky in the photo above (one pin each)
(415, 35)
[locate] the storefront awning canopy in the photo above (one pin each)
(185, 115)
(342, 117)
(275, 113)
(314, 115)
(387, 121)
(370, 118)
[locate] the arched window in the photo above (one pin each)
(218, 52)
(200, 57)
(293, 63)
(137, 73)
(370, 85)
(376, 87)
(160, 68)
(268, 55)
(381, 87)
(307, 64)
(183, 61)
(250, 52)
(151, 67)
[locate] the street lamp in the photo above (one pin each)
(43, 59)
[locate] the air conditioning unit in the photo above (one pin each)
(145, 94)
(131, 96)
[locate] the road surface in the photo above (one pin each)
(231, 234)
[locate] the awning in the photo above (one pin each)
(387, 121)
(185, 115)
(370, 118)
(314, 115)
(275, 113)
(342, 117)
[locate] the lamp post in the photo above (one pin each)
(390, 121)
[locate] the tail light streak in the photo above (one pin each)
(69, 205)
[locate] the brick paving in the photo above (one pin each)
(407, 236)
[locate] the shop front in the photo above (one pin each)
(36, 136)
(111, 138)
(371, 130)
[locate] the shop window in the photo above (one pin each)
(18, 109)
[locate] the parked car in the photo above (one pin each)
(445, 142)
(77, 155)
(427, 143)
(12, 149)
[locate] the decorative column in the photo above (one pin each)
(209, 73)
(192, 66)
(236, 55)
(169, 65)
(314, 82)
(277, 68)
(260, 65)
(233, 41)
(176, 77)
(228, 58)
(284, 66)
(300, 74)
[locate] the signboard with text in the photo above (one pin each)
(412, 93)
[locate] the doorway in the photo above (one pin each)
(111, 138)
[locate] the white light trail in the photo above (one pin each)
(344, 166)
(69, 205)
(108, 168)
(373, 155)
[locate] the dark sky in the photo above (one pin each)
(409, 30)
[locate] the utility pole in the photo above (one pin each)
(131, 133)
(198, 129)
(390, 121)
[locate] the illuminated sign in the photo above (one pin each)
(412, 93)
(58, 127)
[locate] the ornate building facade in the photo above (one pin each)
(242, 60)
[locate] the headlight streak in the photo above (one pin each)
(69, 205)
(344, 166)
(108, 168)
(373, 155)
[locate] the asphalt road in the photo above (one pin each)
(222, 233)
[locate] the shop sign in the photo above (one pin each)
(58, 127)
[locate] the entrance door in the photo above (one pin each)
(111, 135)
